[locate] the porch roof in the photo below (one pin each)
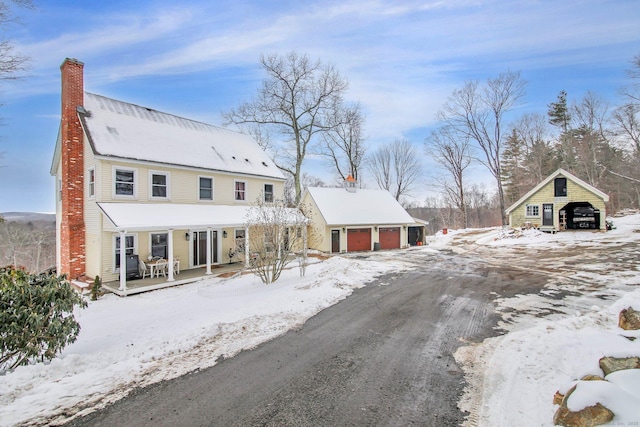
(163, 216)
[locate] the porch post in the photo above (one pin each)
(170, 255)
(123, 262)
(246, 247)
(208, 250)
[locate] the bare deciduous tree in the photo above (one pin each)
(344, 144)
(396, 167)
(277, 237)
(478, 113)
(296, 102)
(453, 154)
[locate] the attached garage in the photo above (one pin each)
(358, 239)
(389, 237)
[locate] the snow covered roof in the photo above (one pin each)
(124, 130)
(361, 207)
(164, 216)
(563, 173)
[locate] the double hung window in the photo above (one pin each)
(205, 188)
(159, 185)
(240, 191)
(268, 193)
(129, 248)
(159, 245)
(92, 183)
(125, 181)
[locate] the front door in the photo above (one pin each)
(335, 241)
(547, 214)
(200, 247)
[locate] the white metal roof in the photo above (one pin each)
(362, 207)
(124, 130)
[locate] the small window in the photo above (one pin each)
(59, 189)
(129, 248)
(92, 183)
(533, 210)
(560, 187)
(159, 245)
(268, 193)
(206, 188)
(240, 191)
(159, 185)
(125, 182)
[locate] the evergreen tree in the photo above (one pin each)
(558, 112)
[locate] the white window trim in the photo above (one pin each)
(91, 196)
(264, 192)
(168, 183)
(246, 192)
(135, 183)
(526, 214)
(113, 249)
(149, 242)
(213, 186)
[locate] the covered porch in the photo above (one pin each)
(123, 219)
(217, 233)
(192, 275)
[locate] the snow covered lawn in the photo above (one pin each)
(142, 339)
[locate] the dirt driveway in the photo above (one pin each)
(383, 356)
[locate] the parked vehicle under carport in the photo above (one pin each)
(582, 215)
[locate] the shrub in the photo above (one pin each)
(36, 316)
(96, 288)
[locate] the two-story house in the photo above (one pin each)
(135, 183)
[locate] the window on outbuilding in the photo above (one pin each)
(560, 187)
(533, 210)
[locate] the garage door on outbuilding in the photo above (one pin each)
(389, 237)
(358, 239)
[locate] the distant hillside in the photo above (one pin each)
(28, 217)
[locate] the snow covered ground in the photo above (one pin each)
(138, 340)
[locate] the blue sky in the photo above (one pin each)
(402, 59)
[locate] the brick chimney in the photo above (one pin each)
(72, 231)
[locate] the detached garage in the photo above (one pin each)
(352, 219)
(358, 239)
(560, 202)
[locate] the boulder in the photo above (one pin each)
(587, 417)
(613, 364)
(629, 319)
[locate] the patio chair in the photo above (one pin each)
(176, 265)
(143, 269)
(161, 267)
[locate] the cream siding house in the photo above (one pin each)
(147, 183)
(351, 219)
(560, 202)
